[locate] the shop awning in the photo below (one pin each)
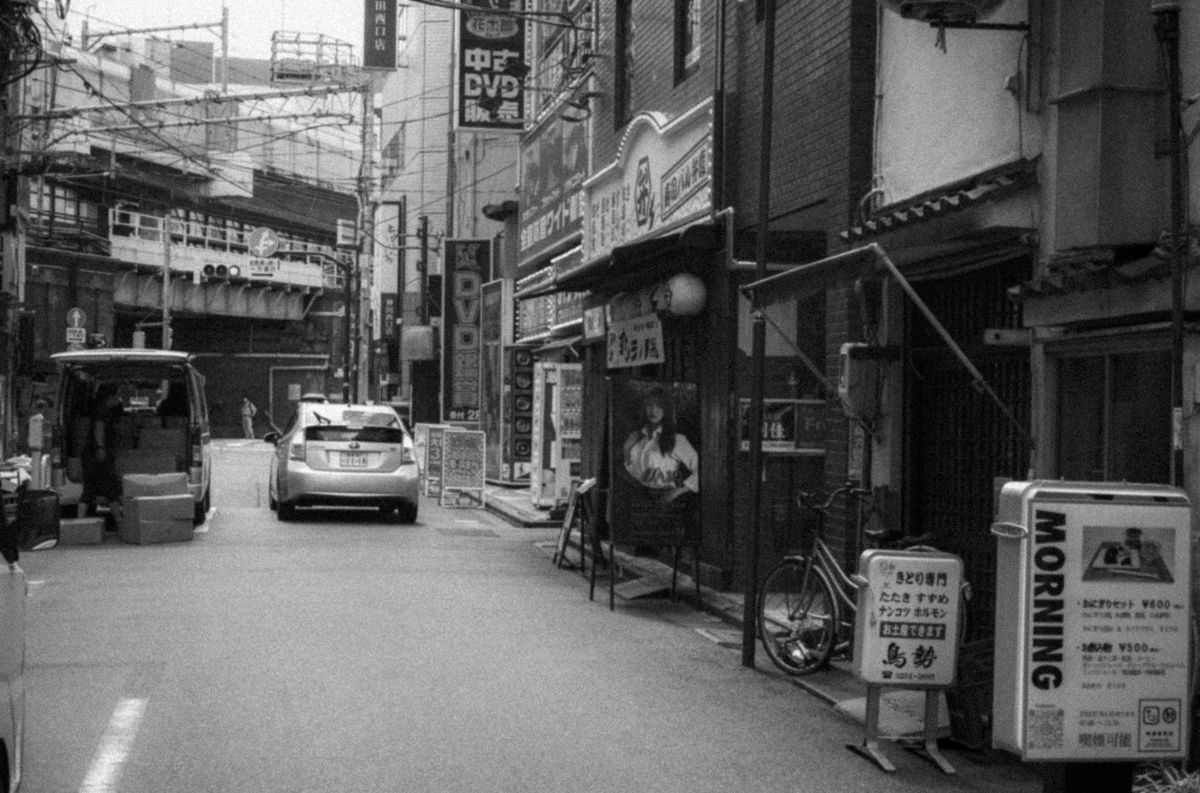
(625, 259)
(809, 279)
(566, 342)
(992, 185)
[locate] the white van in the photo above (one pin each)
(14, 538)
(12, 662)
(160, 424)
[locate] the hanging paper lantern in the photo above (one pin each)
(687, 295)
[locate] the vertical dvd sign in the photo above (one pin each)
(468, 265)
(491, 65)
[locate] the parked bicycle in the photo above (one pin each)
(807, 604)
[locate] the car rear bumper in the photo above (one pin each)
(306, 486)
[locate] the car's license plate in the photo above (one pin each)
(354, 459)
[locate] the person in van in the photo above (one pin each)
(175, 404)
(100, 479)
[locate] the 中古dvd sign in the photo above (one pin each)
(491, 65)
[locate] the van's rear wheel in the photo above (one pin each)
(406, 511)
(202, 508)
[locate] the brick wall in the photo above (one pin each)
(821, 160)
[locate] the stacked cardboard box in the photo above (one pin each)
(81, 531)
(155, 508)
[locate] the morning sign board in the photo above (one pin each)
(1092, 617)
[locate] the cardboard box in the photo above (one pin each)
(149, 519)
(164, 439)
(145, 461)
(149, 532)
(143, 508)
(81, 531)
(138, 485)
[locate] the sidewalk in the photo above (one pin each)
(833, 686)
(901, 711)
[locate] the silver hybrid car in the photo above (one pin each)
(334, 454)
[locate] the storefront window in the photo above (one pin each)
(1114, 417)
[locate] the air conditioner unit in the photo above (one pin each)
(944, 11)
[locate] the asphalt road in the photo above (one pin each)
(344, 653)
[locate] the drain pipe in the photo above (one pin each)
(1166, 27)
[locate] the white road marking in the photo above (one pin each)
(113, 751)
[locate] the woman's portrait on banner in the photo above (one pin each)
(656, 470)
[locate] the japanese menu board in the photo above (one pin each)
(906, 633)
(462, 468)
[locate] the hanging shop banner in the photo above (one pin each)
(535, 316)
(491, 66)
(1092, 623)
(379, 34)
(462, 469)
(554, 157)
(660, 179)
(496, 335)
(435, 440)
(907, 630)
(568, 309)
(468, 265)
(593, 322)
(635, 342)
(655, 448)
(789, 426)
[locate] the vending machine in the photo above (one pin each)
(1093, 609)
(557, 429)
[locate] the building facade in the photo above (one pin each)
(135, 168)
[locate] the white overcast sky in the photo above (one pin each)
(251, 22)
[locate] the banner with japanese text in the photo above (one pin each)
(468, 265)
(491, 65)
(635, 342)
(379, 34)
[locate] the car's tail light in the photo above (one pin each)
(407, 455)
(197, 445)
(296, 450)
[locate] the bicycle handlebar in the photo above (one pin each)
(810, 500)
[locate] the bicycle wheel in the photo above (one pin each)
(797, 616)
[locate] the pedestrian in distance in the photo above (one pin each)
(249, 411)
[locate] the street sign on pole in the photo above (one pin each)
(76, 318)
(263, 242)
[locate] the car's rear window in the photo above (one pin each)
(330, 432)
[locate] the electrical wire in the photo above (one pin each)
(21, 40)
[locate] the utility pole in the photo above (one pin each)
(423, 271)
(759, 337)
(166, 281)
(224, 49)
(365, 248)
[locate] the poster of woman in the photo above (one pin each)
(656, 463)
